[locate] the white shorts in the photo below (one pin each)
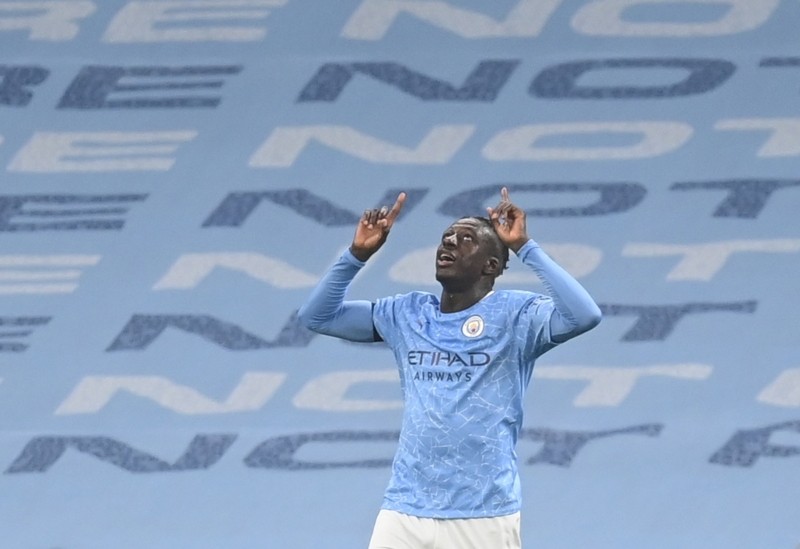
(395, 530)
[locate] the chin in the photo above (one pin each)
(446, 276)
(442, 276)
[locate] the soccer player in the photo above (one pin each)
(465, 359)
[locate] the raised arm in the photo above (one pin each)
(575, 310)
(326, 311)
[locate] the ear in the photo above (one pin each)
(492, 267)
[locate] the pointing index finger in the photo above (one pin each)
(504, 195)
(398, 205)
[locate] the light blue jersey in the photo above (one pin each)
(463, 376)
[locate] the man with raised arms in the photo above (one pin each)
(465, 359)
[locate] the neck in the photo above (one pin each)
(454, 300)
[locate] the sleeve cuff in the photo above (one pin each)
(348, 256)
(527, 247)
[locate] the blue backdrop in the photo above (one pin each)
(178, 174)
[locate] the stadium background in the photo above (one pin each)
(178, 174)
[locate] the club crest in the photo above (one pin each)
(473, 326)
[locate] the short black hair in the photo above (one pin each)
(500, 248)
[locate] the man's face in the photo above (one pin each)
(463, 252)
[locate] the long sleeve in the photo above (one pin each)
(575, 310)
(326, 312)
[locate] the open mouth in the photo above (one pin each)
(444, 259)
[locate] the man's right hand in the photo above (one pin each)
(373, 229)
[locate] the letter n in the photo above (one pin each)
(42, 452)
(142, 330)
(483, 83)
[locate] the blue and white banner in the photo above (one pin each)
(177, 175)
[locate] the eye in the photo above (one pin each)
(468, 237)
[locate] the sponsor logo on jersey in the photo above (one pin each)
(447, 358)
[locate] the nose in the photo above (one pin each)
(451, 240)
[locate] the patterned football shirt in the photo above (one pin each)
(463, 377)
